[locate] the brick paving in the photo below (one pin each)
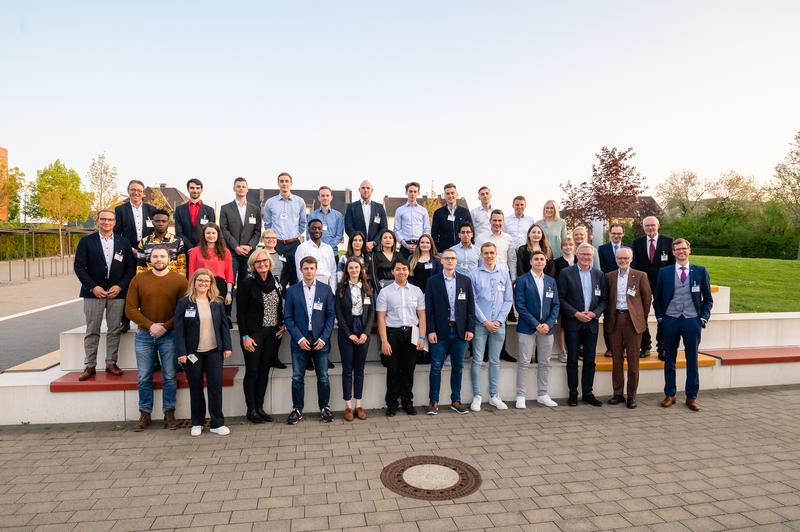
(734, 465)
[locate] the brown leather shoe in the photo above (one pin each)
(144, 422)
(169, 420)
(113, 369)
(360, 413)
(693, 405)
(348, 414)
(668, 401)
(87, 373)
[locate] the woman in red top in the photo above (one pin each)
(212, 253)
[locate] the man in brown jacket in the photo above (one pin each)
(629, 298)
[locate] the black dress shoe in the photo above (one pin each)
(661, 355)
(391, 412)
(644, 353)
(266, 418)
(573, 399)
(507, 357)
(592, 400)
(330, 365)
(616, 399)
(631, 402)
(410, 410)
(278, 364)
(253, 417)
(310, 364)
(486, 356)
(125, 327)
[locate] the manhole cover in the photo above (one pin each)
(431, 478)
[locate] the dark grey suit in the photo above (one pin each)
(236, 234)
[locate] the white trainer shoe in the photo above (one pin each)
(562, 358)
(497, 403)
(197, 430)
(222, 431)
(546, 401)
(521, 402)
(475, 406)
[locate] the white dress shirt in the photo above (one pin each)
(480, 219)
(518, 228)
(400, 303)
(138, 220)
(326, 266)
(622, 289)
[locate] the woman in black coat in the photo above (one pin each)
(355, 312)
(259, 308)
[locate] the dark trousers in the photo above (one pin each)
(257, 364)
(575, 339)
(625, 342)
(400, 372)
(675, 329)
(647, 340)
(209, 363)
(353, 359)
(287, 250)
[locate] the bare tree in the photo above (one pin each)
(682, 191)
(103, 183)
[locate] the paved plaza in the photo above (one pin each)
(734, 465)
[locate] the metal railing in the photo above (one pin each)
(33, 263)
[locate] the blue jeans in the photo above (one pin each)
(495, 341)
(299, 371)
(673, 330)
(146, 348)
(457, 347)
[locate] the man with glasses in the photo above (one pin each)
(466, 252)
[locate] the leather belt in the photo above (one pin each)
(622, 311)
(290, 241)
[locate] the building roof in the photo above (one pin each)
(341, 198)
(173, 196)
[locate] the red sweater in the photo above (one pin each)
(222, 268)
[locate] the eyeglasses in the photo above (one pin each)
(107, 219)
(262, 261)
(449, 258)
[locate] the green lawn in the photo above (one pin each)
(757, 285)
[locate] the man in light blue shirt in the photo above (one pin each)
(332, 220)
(493, 298)
(286, 214)
(411, 221)
(466, 251)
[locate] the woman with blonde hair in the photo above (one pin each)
(555, 228)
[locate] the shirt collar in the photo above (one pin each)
(243, 204)
(355, 285)
(109, 237)
(312, 285)
(540, 277)
(620, 274)
(487, 270)
(678, 267)
(452, 278)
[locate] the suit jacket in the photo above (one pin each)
(183, 223)
(570, 292)
(608, 262)
(344, 311)
(437, 307)
(295, 315)
(90, 265)
(531, 312)
(354, 221)
(638, 305)
(641, 257)
(445, 232)
(231, 224)
(250, 305)
(665, 289)
(187, 329)
(125, 224)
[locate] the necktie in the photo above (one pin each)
(615, 250)
(683, 274)
(652, 253)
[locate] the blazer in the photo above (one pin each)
(445, 232)
(344, 311)
(231, 224)
(437, 307)
(665, 289)
(608, 262)
(295, 315)
(570, 292)
(641, 257)
(187, 329)
(183, 223)
(524, 262)
(250, 305)
(526, 299)
(125, 224)
(638, 305)
(354, 221)
(90, 265)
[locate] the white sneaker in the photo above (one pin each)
(197, 430)
(562, 358)
(222, 431)
(475, 406)
(497, 403)
(521, 402)
(546, 401)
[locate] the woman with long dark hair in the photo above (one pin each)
(212, 254)
(535, 240)
(424, 262)
(356, 247)
(382, 260)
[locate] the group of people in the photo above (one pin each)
(435, 288)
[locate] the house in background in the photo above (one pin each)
(341, 198)
(172, 197)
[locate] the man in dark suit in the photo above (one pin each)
(447, 219)
(682, 302)
(105, 265)
(583, 295)
(652, 252)
(309, 314)
(240, 222)
(608, 263)
(134, 218)
(450, 318)
(366, 216)
(193, 215)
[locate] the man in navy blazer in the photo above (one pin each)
(310, 336)
(375, 222)
(134, 218)
(105, 265)
(682, 303)
(447, 219)
(192, 216)
(536, 299)
(450, 321)
(583, 294)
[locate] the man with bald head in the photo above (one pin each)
(652, 252)
(366, 216)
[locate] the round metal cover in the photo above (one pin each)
(431, 478)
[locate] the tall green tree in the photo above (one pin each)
(786, 185)
(11, 188)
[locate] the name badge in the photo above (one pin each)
(148, 222)
(192, 358)
(377, 219)
(190, 313)
(251, 220)
(549, 293)
(324, 227)
(317, 305)
(428, 265)
(451, 218)
(118, 256)
(501, 287)
(283, 216)
(462, 296)
(632, 292)
(597, 291)
(281, 258)
(696, 288)
(367, 300)
(663, 256)
(203, 220)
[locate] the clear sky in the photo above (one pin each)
(518, 95)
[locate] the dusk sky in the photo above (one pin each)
(518, 95)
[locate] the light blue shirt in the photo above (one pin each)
(411, 221)
(466, 258)
(332, 226)
(450, 285)
(286, 216)
(586, 284)
(493, 293)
